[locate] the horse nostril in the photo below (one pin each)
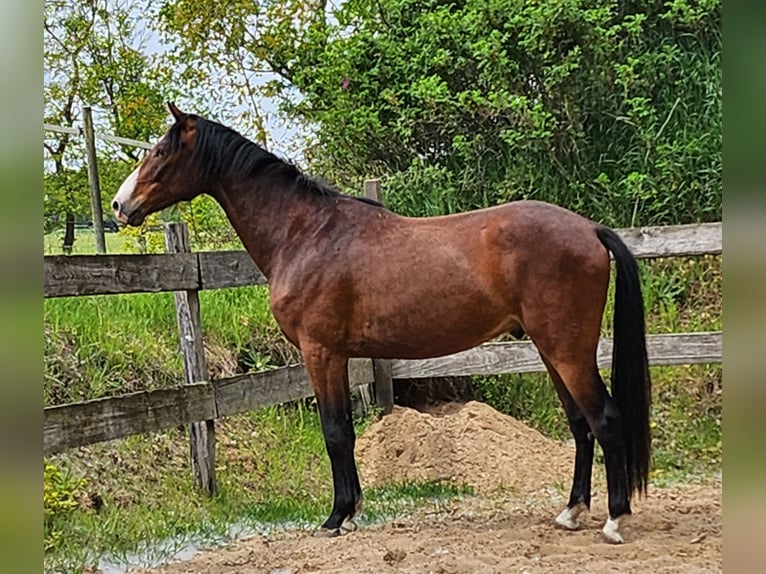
(116, 205)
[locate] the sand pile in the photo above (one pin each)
(465, 444)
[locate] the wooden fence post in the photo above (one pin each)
(95, 188)
(381, 368)
(201, 434)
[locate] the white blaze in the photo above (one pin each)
(125, 191)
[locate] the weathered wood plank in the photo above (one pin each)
(674, 240)
(105, 137)
(522, 356)
(257, 390)
(78, 424)
(102, 274)
(68, 426)
(360, 372)
(675, 349)
(487, 359)
(220, 269)
(74, 275)
(384, 384)
(201, 433)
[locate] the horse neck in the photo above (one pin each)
(265, 215)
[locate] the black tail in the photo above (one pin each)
(631, 384)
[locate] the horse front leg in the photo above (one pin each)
(328, 373)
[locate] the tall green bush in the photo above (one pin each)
(608, 107)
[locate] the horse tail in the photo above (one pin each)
(631, 383)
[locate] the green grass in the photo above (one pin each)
(85, 243)
(111, 344)
(687, 421)
(273, 473)
(104, 345)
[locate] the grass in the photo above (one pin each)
(273, 468)
(273, 473)
(85, 243)
(105, 345)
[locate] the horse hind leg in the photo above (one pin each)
(580, 494)
(607, 425)
(589, 393)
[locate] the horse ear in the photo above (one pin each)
(177, 114)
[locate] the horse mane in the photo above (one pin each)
(221, 150)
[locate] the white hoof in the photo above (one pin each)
(568, 516)
(349, 525)
(611, 531)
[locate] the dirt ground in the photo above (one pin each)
(521, 479)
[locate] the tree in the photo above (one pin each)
(248, 48)
(94, 55)
(609, 108)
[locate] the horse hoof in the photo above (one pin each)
(568, 517)
(349, 525)
(327, 533)
(611, 531)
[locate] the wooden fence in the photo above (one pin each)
(77, 275)
(199, 402)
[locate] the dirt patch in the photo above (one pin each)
(676, 529)
(466, 444)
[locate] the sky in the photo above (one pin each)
(284, 135)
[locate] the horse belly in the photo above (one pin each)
(430, 329)
(443, 297)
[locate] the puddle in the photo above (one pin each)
(178, 549)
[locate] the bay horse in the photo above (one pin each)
(349, 278)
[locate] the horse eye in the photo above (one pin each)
(159, 153)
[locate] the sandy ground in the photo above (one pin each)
(520, 478)
(675, 530)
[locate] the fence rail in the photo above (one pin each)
(75, 275)
(105, 137)
(69, 426)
